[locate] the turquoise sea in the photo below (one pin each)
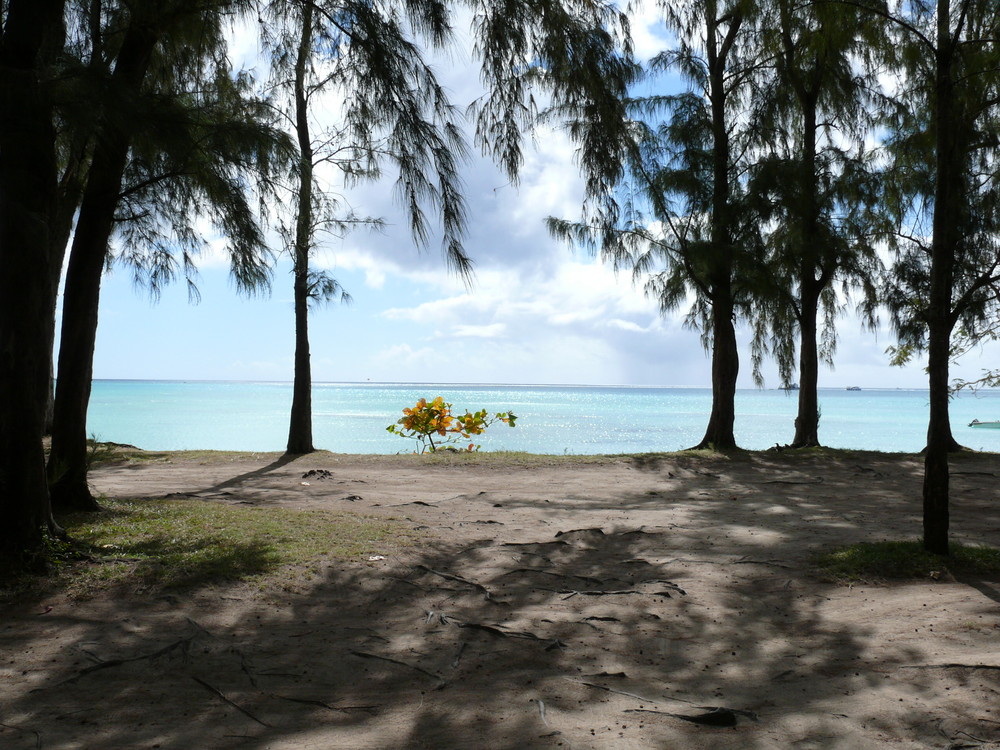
(352, 417)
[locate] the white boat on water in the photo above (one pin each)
(995, 425)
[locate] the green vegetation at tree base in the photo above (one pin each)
(880, 561)
(154, 545)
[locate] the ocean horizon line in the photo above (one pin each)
(427, 383)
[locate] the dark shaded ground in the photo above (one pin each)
(560, 603)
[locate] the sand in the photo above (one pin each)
(557, 603)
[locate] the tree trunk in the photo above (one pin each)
(68, 458)
(947, 208)
(725, 368)
(67, 468)
(32, 32)
(725, 353)
(50, 396)
(807, 419)
(936, 472)
(71, 187)
(300, 438)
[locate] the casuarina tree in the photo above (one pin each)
(812, 186)
(174, 140)
(943, 140)
(678, 217)
(354, 84)
(31, 43)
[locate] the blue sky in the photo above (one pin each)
(538, 312)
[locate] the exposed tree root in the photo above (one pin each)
(952, 666)
(183, 643)
(215, 691)
(366, 655)
(444, 619)
(449, 576)
(321, 704)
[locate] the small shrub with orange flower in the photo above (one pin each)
(433, 425)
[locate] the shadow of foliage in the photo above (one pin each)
(557, 633)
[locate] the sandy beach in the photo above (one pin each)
(577, 602)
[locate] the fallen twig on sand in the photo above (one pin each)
(672, 586)
(458, 656)
(445, 619)
(793, 481)
(551, 643)
(199, 627)
(217, 692)
(245, 668)
(588, 579)
(772, 563)
(740, 561)
(613, 690)
(451, 577)
(951, 666)
(573, 593)
(321, 704)
(183, 642)
(366, 655)
(38, 735)
(714, 716)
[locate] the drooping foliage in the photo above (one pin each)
(812, 188)
(942, 198)
(678, 217)
(364, 70)
(176, 141)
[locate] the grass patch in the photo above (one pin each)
(882, 561)
(105, 454)
(158, 545)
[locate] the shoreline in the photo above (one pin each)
(578, 420)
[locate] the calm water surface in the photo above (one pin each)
(352, 417)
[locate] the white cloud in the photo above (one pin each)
(352, 258)
(492, 331)
(626, 325)
(649, 34)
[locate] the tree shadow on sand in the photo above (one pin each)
(588, 638)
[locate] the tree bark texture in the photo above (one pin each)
(810, 253)
(807, 418)
(32, 32)
(67, 467)
(300, 438)
(725, 369)
(947, 207)
(71, 187)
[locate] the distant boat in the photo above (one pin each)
(995, 425)
(790, 387)
(854, 388)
